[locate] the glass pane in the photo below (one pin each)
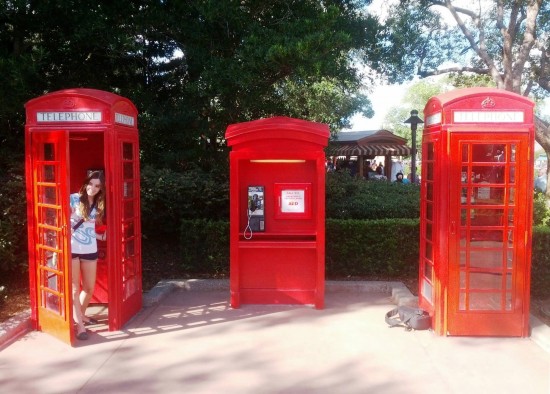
(49, 238)
(485, 301)
(463, 258)
(465, 192)
(509, 259)
(488, 153)
(128, 170)
(485, 258)
(464, 217)
(429, 211)
(48, 174)
(464, 174)
(512, 195)
(129, 266)
(508, 301)
(485, 280)
(127, 151)
(462, 301)
(486, 235)
(430, 150)
(428, 271)
(513, 153)
(430, 171)
(510, 216)
(49, 216)
(47, 195)
(429, 231)
(50, 260)
(128, 209)
(49, 152)
(486, 217)
(462, 280)
(129, 249)
(493, 195)
(512, 174)
(429, 251)
(427, 291)
(129, 230)
(429, 191)
(52, 302)
(465, 148)
(463, 237)
(128, 189)
(482, 193)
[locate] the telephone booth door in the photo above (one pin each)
(487, 246)
(50, 251)
(127, 275)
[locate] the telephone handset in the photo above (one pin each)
(255, 211)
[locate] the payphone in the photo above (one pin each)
(255, 211)
(277, 189)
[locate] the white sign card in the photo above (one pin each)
(293, 201)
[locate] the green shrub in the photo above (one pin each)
(381, 249)
(13, 226)
(540, 266)
(349, 197)
(205, 246)
(541, 210)
(167, 197)
(385, 248)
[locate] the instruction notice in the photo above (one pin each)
(293, 201)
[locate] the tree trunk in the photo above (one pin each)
(542, 135)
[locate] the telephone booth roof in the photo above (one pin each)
(279, 130)
(439, 109)
(60, 107)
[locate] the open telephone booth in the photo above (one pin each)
(277, 211)
(69, 133)
(476, 212)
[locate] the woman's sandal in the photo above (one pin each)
(90, 322)
(82, 335)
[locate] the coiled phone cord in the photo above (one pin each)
(247, 229)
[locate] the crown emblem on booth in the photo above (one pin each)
(488, 103)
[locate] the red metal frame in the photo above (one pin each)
(96, 130)
(285, 264)
(476, 212)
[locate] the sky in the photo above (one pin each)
(383, 98)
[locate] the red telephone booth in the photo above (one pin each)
(277, 213)
(67, 134)
(476, 212)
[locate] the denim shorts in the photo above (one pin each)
(85, 256)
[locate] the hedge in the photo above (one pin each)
(386, 248)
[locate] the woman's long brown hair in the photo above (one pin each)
(99, 198)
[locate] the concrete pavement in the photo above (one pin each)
(188, 339)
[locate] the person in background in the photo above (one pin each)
(87, 210)
(540, 181)
(399, 178)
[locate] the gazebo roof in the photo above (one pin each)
(369, 143)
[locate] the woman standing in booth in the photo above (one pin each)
(87, 211)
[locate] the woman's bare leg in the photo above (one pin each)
(77, 307)
(88, 269)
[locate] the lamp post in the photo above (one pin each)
(414, 120)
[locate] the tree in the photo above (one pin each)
(507, 40)
(191, 67)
